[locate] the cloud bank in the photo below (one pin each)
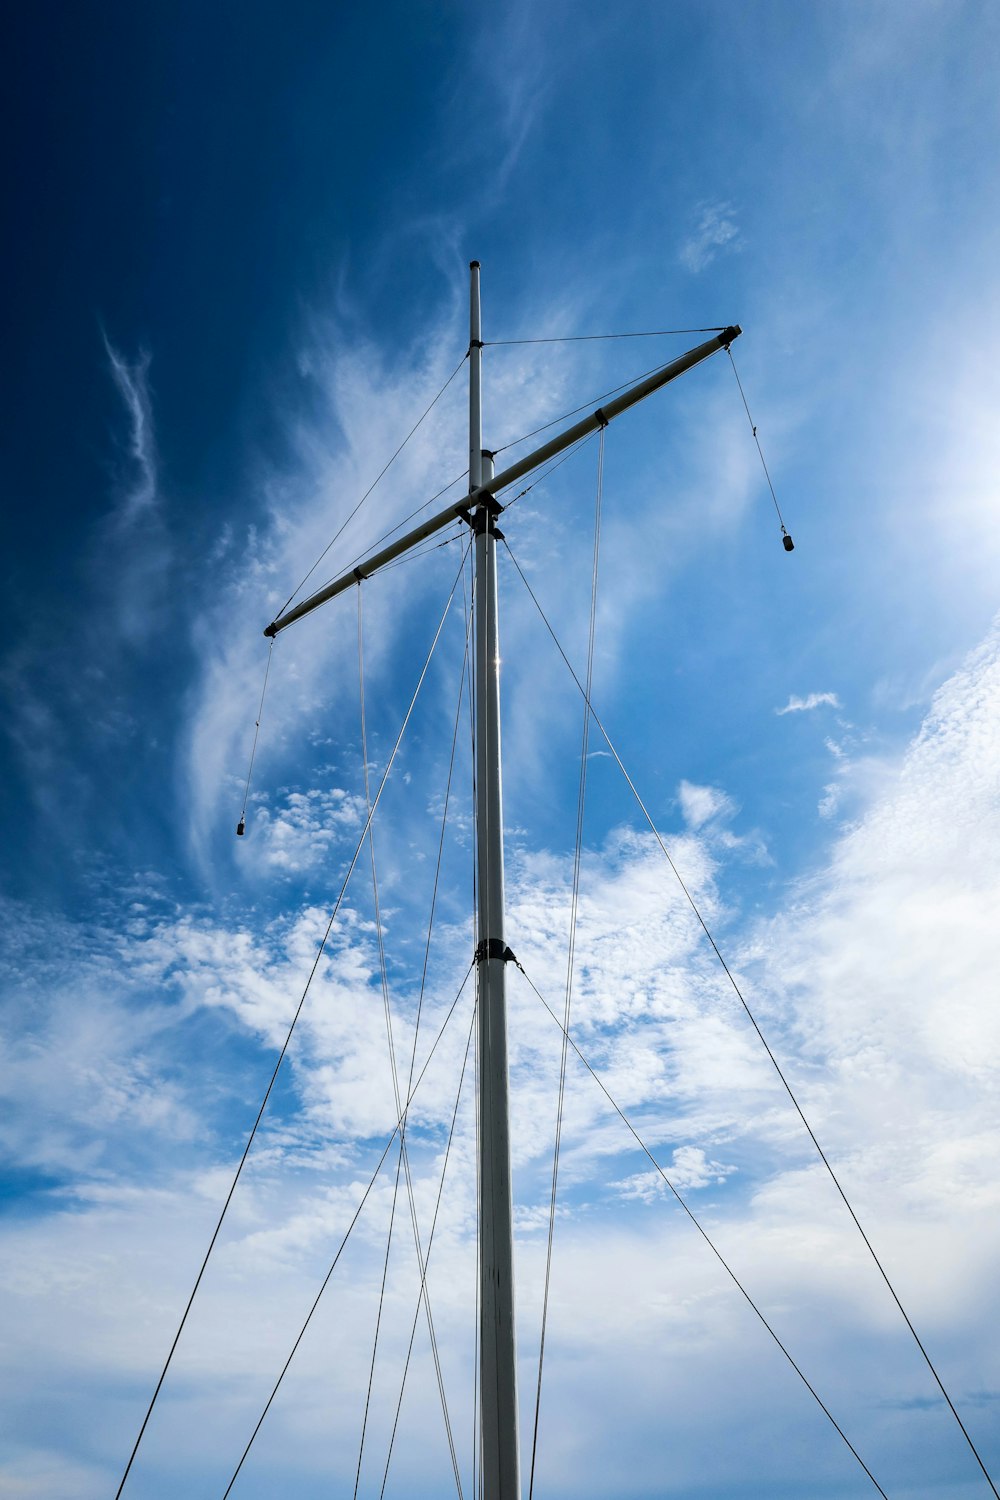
(874, 986)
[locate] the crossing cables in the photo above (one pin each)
(574, 906)
(568, 1040)
(762, 1039)
(291, 1029)
(379, 476)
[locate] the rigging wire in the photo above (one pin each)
(340, 531)
(513, 443)
(393, 529)
(420, 550)
(423, 986)
(585, 338)
(288, 1037)
(444, 815)
(404, 1154)
(347, 1234)
(704, 1234)
(587, 405)
(571, 954)
(468, 600)
(385, 1001)
(577, 447)
(764, 1043)
(756, 439)
(422, 1293)
(241, 825)
(476, 1429)
(378, 1319)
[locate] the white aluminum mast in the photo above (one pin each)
(479, 509)
(497, 1352)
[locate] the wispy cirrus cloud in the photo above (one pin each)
(128, 557)
(131, 378)
(135, 547)
(715, 229)
(797, 705)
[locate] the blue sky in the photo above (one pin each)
(237, 274)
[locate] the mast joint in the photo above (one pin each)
(494, 948)
(483, 518)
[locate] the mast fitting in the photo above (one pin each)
(601, 418)
(494, 948)
(728, 334)
(482, 519)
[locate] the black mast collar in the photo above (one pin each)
(483, 518)
(494, 948)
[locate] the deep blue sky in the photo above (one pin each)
(236, 272)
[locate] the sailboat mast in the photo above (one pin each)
(480, 509)
(498, 1366)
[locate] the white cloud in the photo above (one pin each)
(876, 990)
(874, 987)
(714, 229)
(830, 801)
(300, 831)
(703, 804)
(796, 705)
(853, 971)
(884, 969)
(132, 381)
(650, 1011)
(134, 551)
(689, 1169)
(351, 413)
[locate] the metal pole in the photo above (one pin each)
(475, 381)
(498, 1359)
